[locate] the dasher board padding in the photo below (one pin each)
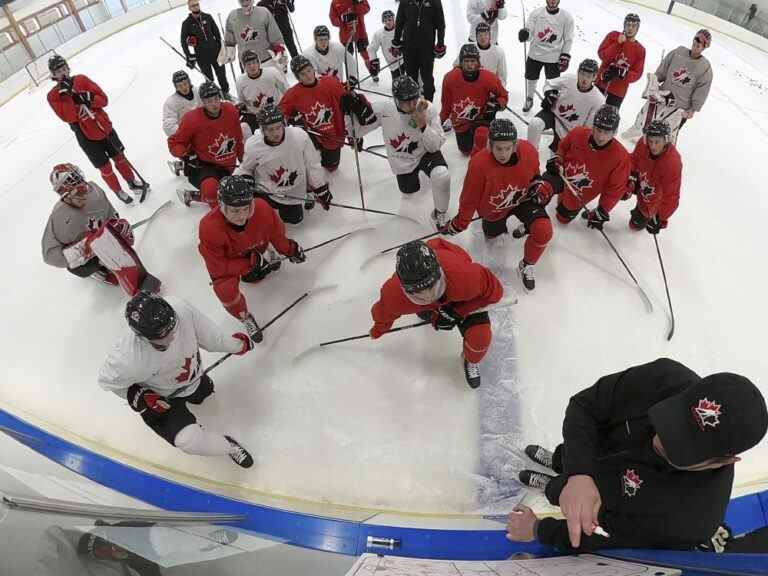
(584, 565)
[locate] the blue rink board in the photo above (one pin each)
(348, 537)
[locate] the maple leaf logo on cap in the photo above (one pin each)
(631, 482)
(707, 413)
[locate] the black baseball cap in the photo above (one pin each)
(720, 415)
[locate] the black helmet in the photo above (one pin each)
(588, 65)
(482, 27)
(250, 56)
(150, 316)
(657, 128)
(55, 62)
(417, 267)
(405, 88)
(209, 90)
(299, 63)
(469, 51)
(631, 18)
(502, 130)
(179, 76)
(236, 191)
(607, 118)
(270, 114)
(322, 31)
(387, 14)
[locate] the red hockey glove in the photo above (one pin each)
(499, 4)
(540, 192)
(596, 218)
(563, 62)
(142, 399)
(192, 41)
(631, 188)
(247, 344)
(278, 49)
(439, 50)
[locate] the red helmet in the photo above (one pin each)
(67, 178)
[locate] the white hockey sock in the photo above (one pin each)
(441, 187)
(535, 128)
(194, 439)
(530, 88)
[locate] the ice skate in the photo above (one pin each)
(252, 328)
(526, 275)
(540, 455)
(533, 479)
(239, 455)
(472, 373)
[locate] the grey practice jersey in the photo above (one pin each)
(256, 93)
(67, 225)
(331, 63)
(174, 108)
(475, 10)
(688, 79)
(551, 34)
(256, 31)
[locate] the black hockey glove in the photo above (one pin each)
(439, 51)
(298, 256)
(323, 196)
(261, 268)
(65, 86)
(446, 318)
(83, 98)
(610, 73)
(146, 402)
(499, 4)
(374, 67)
(490, 16)
(397, 43)
(554, 165)
(348, 17)
(596, 218)
(655, 225)
(523, 35)
(550, 99)
(191, 61)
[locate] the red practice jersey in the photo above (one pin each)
(96, 128)
(217, 141)
(658, 188)
(227, 251)
(627, 55)
(468, 287)
(319, 106)
(347, 29)
(594, 172)
(490, 188)
(464, 102)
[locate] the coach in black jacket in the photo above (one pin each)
(200, 33)
(648, 456)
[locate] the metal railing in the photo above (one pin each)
(734, 11)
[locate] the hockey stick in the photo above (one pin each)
(525, 55)
(344, 142)
(293, 29)
(395, 61)
(334, 239)
(666, 287)
(372, 91)
(516, 115)
(172, 47)
(231, 66)
(351, 116)
(151, 216)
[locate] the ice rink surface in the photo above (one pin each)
(389, 424)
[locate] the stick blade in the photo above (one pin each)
(302, 355)
(646, 300)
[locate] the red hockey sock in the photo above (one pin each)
(122, 165)
(109, 177)
(209, 191)
(539, 235)
(477, 340)
(228, 291)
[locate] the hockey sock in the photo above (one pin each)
(109, 177)
(535, 128)
(540, 233)
(477, 340)
(209, 189)
(122, 165)
(441, 187)
(194, 439)
(530, 88)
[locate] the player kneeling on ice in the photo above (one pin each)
(438, 281)
(413, 137)
(86, 235)
(569, 101)
(258, 87)
(287, 166)
(655, 179)
(234, 242)
(590, 163)
(176, 105)
(209, 140)
(503, 180)
(156, 368)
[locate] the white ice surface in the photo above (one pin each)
(389, 424)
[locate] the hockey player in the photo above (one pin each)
(210, 142)
(319, 105)
(286, 163)
(420, 36)
(622, 61)
(413, 137)
(201, 42)
(252, 28)
(569, 101)
(80, 102)
(550, 32)
(176, 105)
(156, 368)
(382, 39)
(678, 89)
(85, 235)
(471, 97)
(655, 179)
(594, 164)
(503, 180)
(234, 242)
(327, 56)
(280, 11)
(349, 17)
(492, 56)
(487, 12)
(257, 88)
(438, 281)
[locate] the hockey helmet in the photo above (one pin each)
(589, 66)
(482, 27)
(209, 90)
(270, 114)
(405, 88)
(631, 18)
(150, 316)
(417, 267)
(250, 56)
(67, 178)
(607, 118)
(55, 62)
(322, 30)
(704, 37)
(657, 128)
(299, 63)
(502, 130)
(236, 191)
(469, 51)
(387, 14)
(179, 76)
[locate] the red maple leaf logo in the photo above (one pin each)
(506, 198)
(631, 482)
(707, 413)
(277, 175)
(544, 33)
(248, 33)
(578, 176)
(681, 76)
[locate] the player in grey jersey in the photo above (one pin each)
(253, 28)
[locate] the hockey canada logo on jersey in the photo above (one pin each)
(330, 72)
(248, 34)
(578, 176)
(707, 413)
(222, 147)
(260, 102)
(403, 144)
(547, 35)
(631, 482)
(282, 178)
(568, 112)
(465, 109)
(507, 197)
(681, 76)
(646, 190)
(320, 115)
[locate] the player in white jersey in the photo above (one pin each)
(382, 39)
(257, 88)
(156, 368)
(176, 105)
(492, 56)
(569, 101)
(326, 55)
(286, 163)
(413, 137)
(550, 32)
(485, 12)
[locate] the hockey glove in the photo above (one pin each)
(246, 342)
(374, 67)
(540, 192)
(563, 63)
(439, 50)
(397, 43)
(550, 99)
(191, 62)
(596, 218)
(632, 183)
(323, 196)
(523, 35)
(554, 165)
(492, 107)
(362, 44)
(260, 268)
(298, 256)
(82, 98)
(610, 73)
(142, 399)
(348, 17)
(490, 16)
(451, 229)
(122, 228)
(278, 49)
(65, 87)
(655, 225)
(446, 318)
(499, 4)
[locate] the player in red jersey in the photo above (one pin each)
(210, 142)
(595, 164)
(80, 102)
(655, 179)
(438, 281)
(319, 106)
(622, 61)
(471, 97)
(234, 243)
(503, 181)
(349, 17)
